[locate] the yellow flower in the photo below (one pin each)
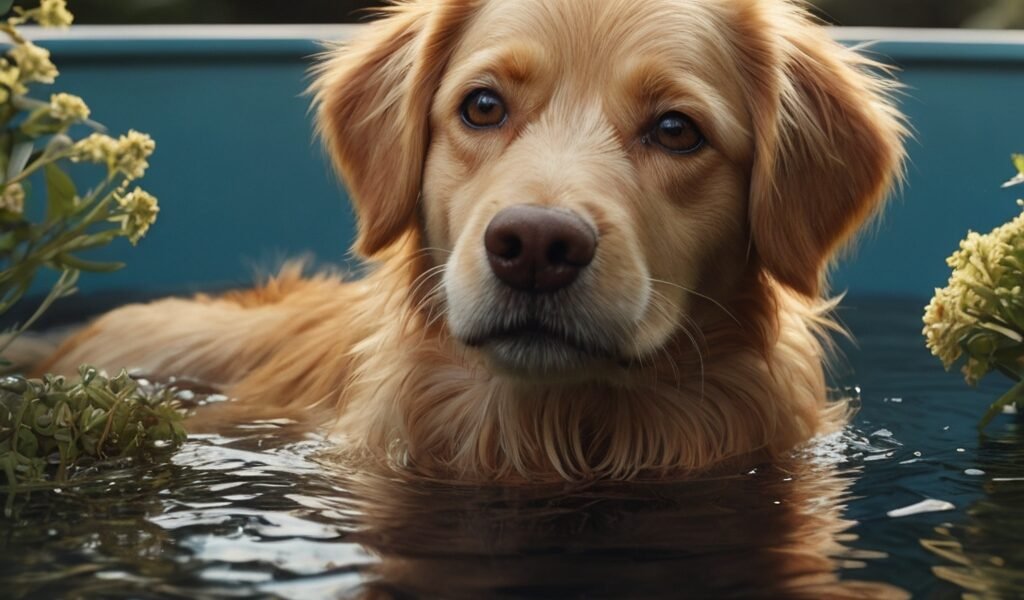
(133, 150)
(68, 107)
(97, 148)
(54, 13)
(34, 63)
(13, 199)
(127, 155)
(946, 324)
(10, 80)
(982, 306)
(139, 210)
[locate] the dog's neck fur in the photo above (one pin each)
(449, 415)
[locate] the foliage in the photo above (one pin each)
(49, 425)
(979, 317)
(36, 146)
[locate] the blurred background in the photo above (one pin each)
(989, 14)
(243, 184)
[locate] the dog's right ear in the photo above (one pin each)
(373, 98)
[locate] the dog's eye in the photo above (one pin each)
(484, 109)
(677, 133)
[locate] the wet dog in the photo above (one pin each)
(598, 229)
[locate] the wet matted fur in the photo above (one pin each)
(696, 335)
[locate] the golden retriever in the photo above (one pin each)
(599, 231)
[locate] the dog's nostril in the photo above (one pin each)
(511, 247)
(558, 253)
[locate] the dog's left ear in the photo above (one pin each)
(829, 141)
(373, 96)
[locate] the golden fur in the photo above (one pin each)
(706, 290)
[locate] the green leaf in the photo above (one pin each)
(20, 154)
(94, 240)
(81, 264)
(7, 243)
(5, 148)
(60, 193)
(1014, 396)
(1004, 331)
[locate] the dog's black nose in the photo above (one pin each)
(539, 249)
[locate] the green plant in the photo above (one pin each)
(49, 425)
(36, 146)
(978, 319)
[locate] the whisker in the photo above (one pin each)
(660, 305)
(699, 295)
(700, 360)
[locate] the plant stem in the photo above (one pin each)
(1013, 396)
(64, 287)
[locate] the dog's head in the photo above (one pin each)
(585, 170)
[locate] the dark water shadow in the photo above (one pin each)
(265, 513)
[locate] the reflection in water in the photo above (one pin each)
(256, 514)
(985, 552)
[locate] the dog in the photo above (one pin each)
(599, 232)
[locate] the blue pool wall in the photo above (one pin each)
(243, 185)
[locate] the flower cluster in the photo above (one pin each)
(979, 316)
(980, 313)
(139, 210)
(10, 81)
(46, 222)
(33, 63)
(68, 107)
(54, 13)
(12, 199)
(127, 155)
(26, 62)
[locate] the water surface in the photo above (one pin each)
(908, 500)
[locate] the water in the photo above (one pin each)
(907, 501)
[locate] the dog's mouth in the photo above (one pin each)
(535, 347)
